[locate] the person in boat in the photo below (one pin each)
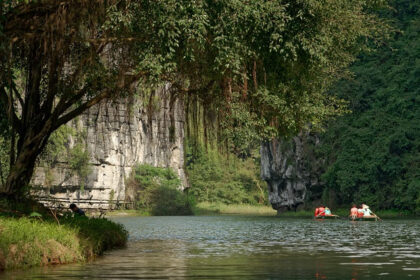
(321, 211)
(353, 212)
(366, 211)
(316, 212)
(360, 212)
(327, 211)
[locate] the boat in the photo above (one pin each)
(365, 218)
(327, 217)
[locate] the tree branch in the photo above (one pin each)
(11, 114)
(52, 85)
(80, 109)
(19, 97)
(127, 80)
(197, 91)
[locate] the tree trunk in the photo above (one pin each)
(22, 169)
(19, 176)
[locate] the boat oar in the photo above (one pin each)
(376, 216)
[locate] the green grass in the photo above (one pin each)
(128, 213)
(27, 242)
(97, 234)
(207, 208)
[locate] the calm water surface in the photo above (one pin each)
(235, 247)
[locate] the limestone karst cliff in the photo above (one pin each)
(289, 167)
(118, 135)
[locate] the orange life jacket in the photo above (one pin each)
(316, 212)
(359, 213)
(321, 211)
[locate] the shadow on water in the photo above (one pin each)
(235, 247)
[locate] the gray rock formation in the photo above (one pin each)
(290, 169)
(118, 135)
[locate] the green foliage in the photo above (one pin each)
(265, 66)
(374, 152)
(58, 145)
(35, 214)
(157, 191)
(244, 130)
(29, 242)
(97, 234)
(291, 51)
(215, 178)
(79, 160)
(4, 159)
(59, 149)
(208, 208)
(4, 143)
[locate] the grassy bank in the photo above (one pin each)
(207, 208)
(26, 242)
(127, 213)
(342, 212)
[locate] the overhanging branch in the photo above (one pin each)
(80, 109)
(19, 97)
(11, 114)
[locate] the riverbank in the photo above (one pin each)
(209, 209)
(214, 209)
(27, 242)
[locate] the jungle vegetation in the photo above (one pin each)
(261, 68)
(155, 191)
(373, 154)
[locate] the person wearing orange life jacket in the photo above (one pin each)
(321, 210)
(360, 212)
(316, 212)
(353, 212)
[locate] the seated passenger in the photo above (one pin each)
(360, 213)
(366, 210)
(353, 212)
(327, 211)
(316, 211)
(321, 211)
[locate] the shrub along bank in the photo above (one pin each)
(208, 208)
(26, 242)
(156, 191)
(216, 178)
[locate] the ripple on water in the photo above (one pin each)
(234, 247)
(355, 263)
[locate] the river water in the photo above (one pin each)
(238, 247)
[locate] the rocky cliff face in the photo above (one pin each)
(118, 135)
(290, 169)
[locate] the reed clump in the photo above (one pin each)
(208, 208)
(27, 242)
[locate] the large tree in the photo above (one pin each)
(58, 58)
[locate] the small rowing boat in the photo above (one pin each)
(365, 218)
(327, 217)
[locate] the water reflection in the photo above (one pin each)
(253, 248)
